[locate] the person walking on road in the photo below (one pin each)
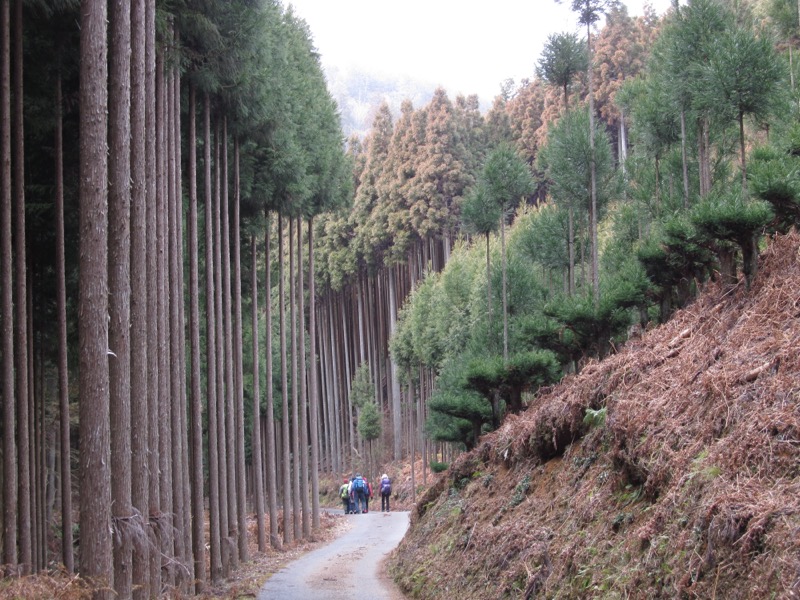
(368, 495)
(386, 492)
(344, 494)
(359, 489)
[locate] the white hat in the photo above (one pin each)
(384, 476)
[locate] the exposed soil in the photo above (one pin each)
(669, 470)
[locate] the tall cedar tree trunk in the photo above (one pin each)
(211, 361)
(222, 447)
(742, 151)
(119, 186)
(333, 401)
(413, 441)
(184, 403)
(421, 431)
(303, 414)
(230, 432)
(293, 331)
(314, 389)
(593, 175)
(348, 435)
(258, 479)
(571, 245)
(21, 304)
(272, 463)
(488, 285)
(153, 452)
(288, 531)
(196, 431)
(241, 474)
(336, 408)
(139, 311)
(95, 450)
(329, 394)
(345, 454)
(397, 413)
(684, 162)
(10, 502)
(35, 385)
(63, 369)
(505, 296)
(174, 273)
(166, 514)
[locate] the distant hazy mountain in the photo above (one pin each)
(360, 93)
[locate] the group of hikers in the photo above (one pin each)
(357, 491)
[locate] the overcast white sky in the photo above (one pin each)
(466, 46)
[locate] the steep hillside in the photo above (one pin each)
(668, 470)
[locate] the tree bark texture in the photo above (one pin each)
(119, 355)
(96, 547)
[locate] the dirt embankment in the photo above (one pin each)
(669, 470)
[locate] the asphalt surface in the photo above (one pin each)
(349, 567)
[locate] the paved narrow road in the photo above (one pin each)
(349, 567)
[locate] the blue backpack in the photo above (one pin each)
(386, 487)
(359, 485)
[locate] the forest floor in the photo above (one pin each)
(671, 469)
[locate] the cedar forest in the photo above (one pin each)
(211, 299)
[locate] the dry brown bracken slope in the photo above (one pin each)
(682, 482)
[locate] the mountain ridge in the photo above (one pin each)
(359, 93)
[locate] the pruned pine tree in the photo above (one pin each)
(369, 428)
(743, 76)
(508, 180)
(564, 57)
(589, 13)
(481, 216)
(680, 57)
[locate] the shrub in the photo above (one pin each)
(439, 467)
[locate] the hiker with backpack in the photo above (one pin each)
(360, 491)
(344, 494)
(386, 492)
(368, 495)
